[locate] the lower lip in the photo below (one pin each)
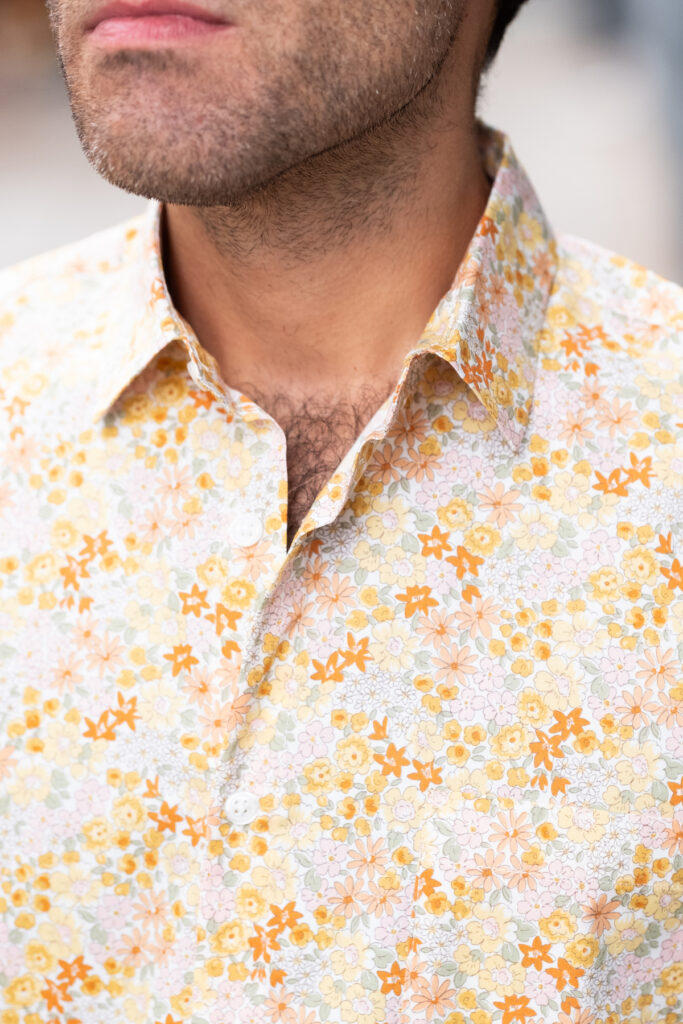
(155, 28)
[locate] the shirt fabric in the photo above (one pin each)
(425, 766)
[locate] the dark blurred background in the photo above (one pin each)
(591, 92)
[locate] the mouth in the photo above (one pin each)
(152, 22)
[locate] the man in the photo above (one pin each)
(340, 583)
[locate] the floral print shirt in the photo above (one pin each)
(424, 766)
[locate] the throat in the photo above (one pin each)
(319, 433)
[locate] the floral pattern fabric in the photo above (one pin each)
(425, 766)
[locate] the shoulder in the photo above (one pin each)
(617, 287)
(47, 286)
(612, 315)
(56, 310)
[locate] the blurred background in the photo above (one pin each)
(591, 92)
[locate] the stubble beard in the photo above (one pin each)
(307, 119)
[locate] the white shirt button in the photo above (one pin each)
(241, 808)
(246, 529)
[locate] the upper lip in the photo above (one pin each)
(148, 8)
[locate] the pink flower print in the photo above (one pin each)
(393, 930)
(674, 743)
(501, 707)
(92, 799)
(535, 904)
(540, 988)
(599, 549)
(618, 667)
(490, 677)
(329, 858)
(470, 828)
(114, 912)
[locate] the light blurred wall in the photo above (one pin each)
(583, 103)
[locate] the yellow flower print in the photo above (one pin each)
(570, 493)
(129, 813)
(42, 569)
(582, 950)
(368, 559)
(137, 408)
(61, 934)
(579, 635)
(401, 568)
(465, 784)
(61, 739)
(329, 991)
(499, 976)
(490, 928)
(289, 688)
(640, 565)
(482, 539)
(239, 593)
(213, 571)
(583, 823)
(350, 956)
(229, 938)
(39, 959)
(426, 738)
(30, 782)
(560, 926)
(559, 683)
(64, 533)
(394, 646)
(664, 903)
(637, 770)
(670, 981)
(98, 834)
(474, 418)
(296, 830)
(532, 709)
(627, 933)
(511, 741)
(534, 529)
(606, 582)
(250, 903)
(180, 864)
(456, 515)
(403, 810)
(77, 886)
(23, 991)
(501, 391)
(319, 776)
(170, 390)
(234, 471)
(362, 1006)
(275, 878)
(160, 704)
(668, 464)
(389, 520)
(353, 754)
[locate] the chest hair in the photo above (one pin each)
(319, 433)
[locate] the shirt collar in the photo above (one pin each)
(486, 326)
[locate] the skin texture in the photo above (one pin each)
(304, 156)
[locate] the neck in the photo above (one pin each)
(320, 282)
